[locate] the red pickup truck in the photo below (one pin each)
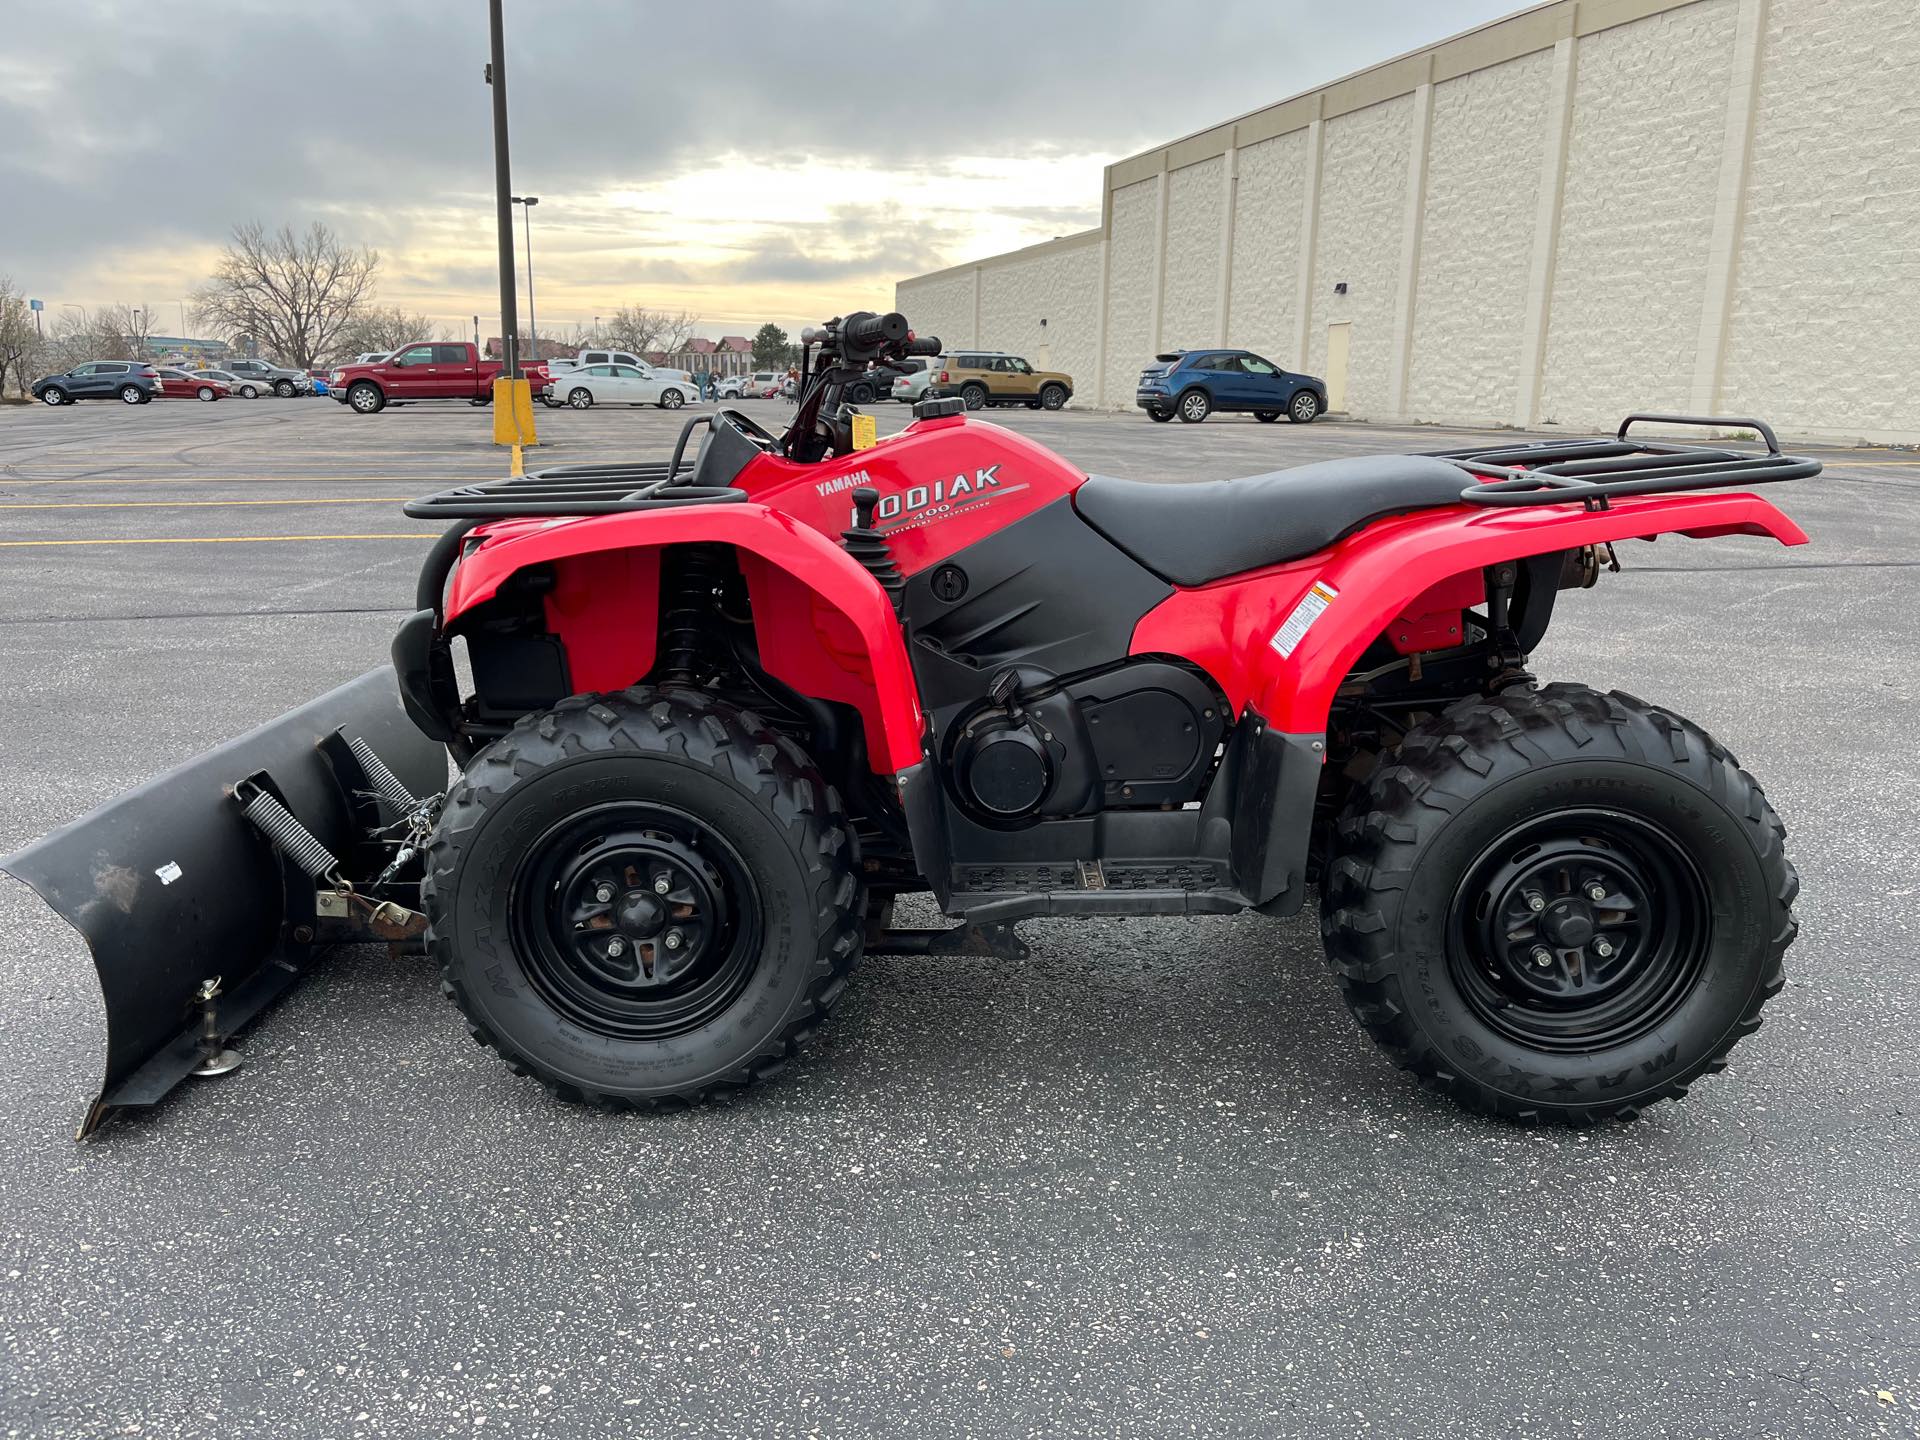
(424, 370)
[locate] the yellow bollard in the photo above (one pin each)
(513, 415)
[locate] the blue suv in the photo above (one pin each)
(1194, 383)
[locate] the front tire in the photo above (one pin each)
(671, 399)
(1160, 417)
(1266, 417)
(1558, 905)
(1194, 407)
(578, 846)
(364, 397)
(249, 392)
(206, 392)
(1052, 397)
(1303, 408)
(53, 395)
(283, 388)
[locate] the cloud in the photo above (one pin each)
(685, 147)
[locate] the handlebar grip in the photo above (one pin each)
(923, 345)
(867, 329)
(814, 334)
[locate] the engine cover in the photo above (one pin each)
(1003, 767)
(1144, 733)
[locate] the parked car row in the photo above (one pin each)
(1190, 384)
(135, 382)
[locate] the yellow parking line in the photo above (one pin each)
(211, 540)
(200, 504)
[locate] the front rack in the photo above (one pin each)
(1561, 472)
(609, 489)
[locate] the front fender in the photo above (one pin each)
(1238, 631)
(823, 624)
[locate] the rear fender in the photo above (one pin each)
(1283, 639)
(823, 624)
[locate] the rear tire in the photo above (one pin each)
(974, 396)
(1194, 407)
(363, 397)
(580, 398)
(727, 836)
(1665, 904)
(132, 395)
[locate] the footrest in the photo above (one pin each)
(1111, 887)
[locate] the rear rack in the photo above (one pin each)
(1561, 472)
(572, 490)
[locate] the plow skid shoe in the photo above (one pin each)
(196, 922)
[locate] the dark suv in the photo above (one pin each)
(133, 381)
(1194, 383)
(277, 378)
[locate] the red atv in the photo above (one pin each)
(725, 708)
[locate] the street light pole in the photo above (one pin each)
(526, 204)
(503, 190)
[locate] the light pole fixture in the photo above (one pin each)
(527, 202)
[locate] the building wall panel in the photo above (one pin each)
(1483, 183)
(1266, 245)
(1363, 196)
(1636, 220)
(1824, 329)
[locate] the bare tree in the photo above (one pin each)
(290, 295)
(676, 330)
(383, 327)
(632, 327)
(129, 326)
(19, 337)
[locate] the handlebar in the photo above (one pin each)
(865, 330)
(864, 336)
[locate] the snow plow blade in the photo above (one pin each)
(202, 904)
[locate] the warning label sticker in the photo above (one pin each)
(1312, 605)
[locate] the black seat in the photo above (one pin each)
(1191, 534)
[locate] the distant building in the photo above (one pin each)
(729, 355)
(178, 347)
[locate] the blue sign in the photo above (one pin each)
(35, 305)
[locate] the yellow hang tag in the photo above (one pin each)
(866, 432)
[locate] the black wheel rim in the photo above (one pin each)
(1579, 930)
(636, 921)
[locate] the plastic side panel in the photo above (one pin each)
(944, 484)
(605, 607)
(1239, 631)
(818, 565)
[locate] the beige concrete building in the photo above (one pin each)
(1589, 207)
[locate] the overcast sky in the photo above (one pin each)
(746, 160)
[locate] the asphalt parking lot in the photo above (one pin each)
(1154, 1181)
